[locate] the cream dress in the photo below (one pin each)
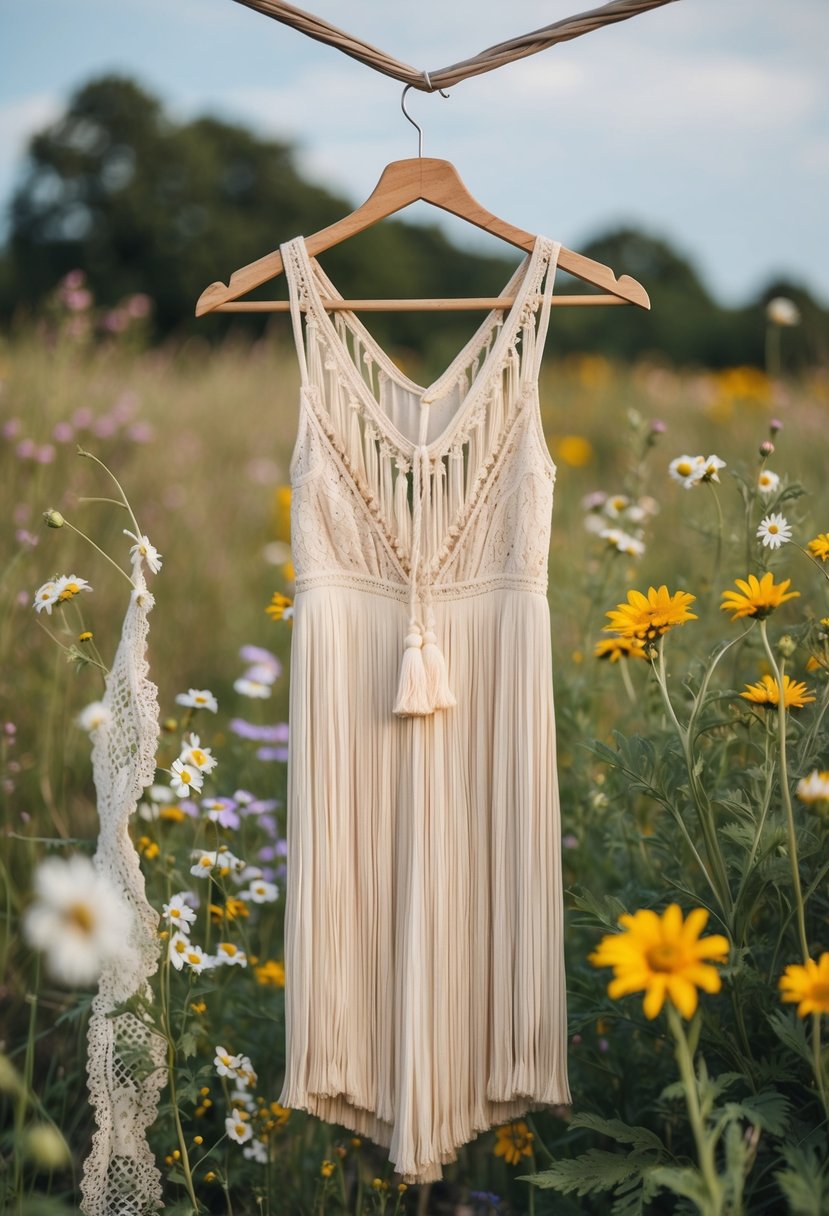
(425, 991)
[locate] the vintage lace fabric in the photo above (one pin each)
(425, 995)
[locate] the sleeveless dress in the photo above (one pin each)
(425, 989)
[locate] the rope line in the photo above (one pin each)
(443, 78)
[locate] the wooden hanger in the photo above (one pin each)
(401, 183)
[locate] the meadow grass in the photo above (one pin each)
(200, 437)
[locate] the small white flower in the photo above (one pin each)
(261, 892)
(77, 919)
(241, 1097)
(198, 698)
(256, 1151)
(774, 531)
(615, 505)
(623, 542)
(711, 467)
(237, 1129)
(814, 788)
(202, 867)
(196, 959)
(768, 482)
(226, 1064)
(222, 861)
(227, 953)
(247, 1074)
(287, 615)
(196, 756)
(783, 311)
(185, 779)
(46, 597)
(252, 688)
(178, 943)
(142, 550)
(68, 586)
(687, 470)
(93, 716)
(179, 913)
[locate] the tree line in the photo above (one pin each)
(142, 204)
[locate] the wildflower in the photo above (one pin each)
(237, 1129)
(252, 688)
(68, 586)
(226, 1064)
(86, 636)
(256, 1150)
(767, 692)
(662, 956)
(646, 617)
(618, 648)
(142, 550)
(768, 482)
(196, 756)
(270, 974)
(176, 947)
(179, 913)
(327, 1168)
(766, 449)
(711, 467)
(221, 811)
(246, 1075)
(623, 542)
(148, 848)
(774, 531)
(756, 598)
(261, 892)
(226, 952)
(198, 698)
(222, 861)
(46, 597)
(93, 716)
(53, 519)
(809, 985)
(198, 1007)
(513, 1141)
(233, 909)
(281, 607)
(819, 547)
(687, 470)
(77, 919)
(780, 310)
(814, 792)
(185, 778)
(195, 958)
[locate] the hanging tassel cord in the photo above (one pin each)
(443, 78)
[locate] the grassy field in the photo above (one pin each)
(200, 439)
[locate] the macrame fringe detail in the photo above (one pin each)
(413, 699)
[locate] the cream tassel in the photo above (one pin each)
(413, 698)
(437, 678)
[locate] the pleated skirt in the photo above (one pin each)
(425, 987)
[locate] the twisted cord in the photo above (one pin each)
(486, 61)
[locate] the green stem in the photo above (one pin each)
(705, 1145)
(111, 561)
(171, 1073)
(626, 680)
(720, 530)
(124, 499)
(785, 793)
(817, 1063)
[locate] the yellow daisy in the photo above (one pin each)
(271, 973)
(756, 597)
(662, 956)
(615, 649)
(819, 547)
(647, 616)
(767, 692)
(808, 985)
(280, 608)
(513, 1141)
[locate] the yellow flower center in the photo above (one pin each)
(175, 913)
(185, 777)
(198, 756)
(181, 947)
(820, 991)
(663, 957)
(773, 529)
(206, 862)
(192, 957)
(80, 916)
(684, 468)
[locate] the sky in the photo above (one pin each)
(704, 122)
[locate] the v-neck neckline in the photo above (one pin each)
(519, 283)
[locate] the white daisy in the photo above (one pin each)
(782, 311)
(179, 913)
(198, 698)
(768, 482)
(615, 505)
(222, 861)
(185, 779)
(196, 756)
(178, 943)
(226, 1064)
(68, 586)
(247, 1074)
(241, 1097)
(256, 1151)
(774, 531)
(623, 542)
(46, 597)
(202, 867)
(93, 716)
(814, 788)
(142, 550)
(227, 953)
(237, 1129)
(196, 959)
(261, 892)
(687, 470)
(252, 688)
(77, 919)
(711, 467)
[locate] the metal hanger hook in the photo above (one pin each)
(416, 125)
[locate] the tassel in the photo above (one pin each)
(413, 698)
(437, 678)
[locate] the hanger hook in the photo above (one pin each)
(416, 125)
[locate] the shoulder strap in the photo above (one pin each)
(544, 318)
(291, 263)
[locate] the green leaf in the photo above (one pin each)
(790, 1030)
(593, 1171)
(686, 1181)
(605, 909)
(642, 1138)
(768, 1110)
(804, 1183)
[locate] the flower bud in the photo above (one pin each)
(766, 448)
(46, 1147)
(782, 311)
(774, 426)
(53, 519)
(786, 646)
